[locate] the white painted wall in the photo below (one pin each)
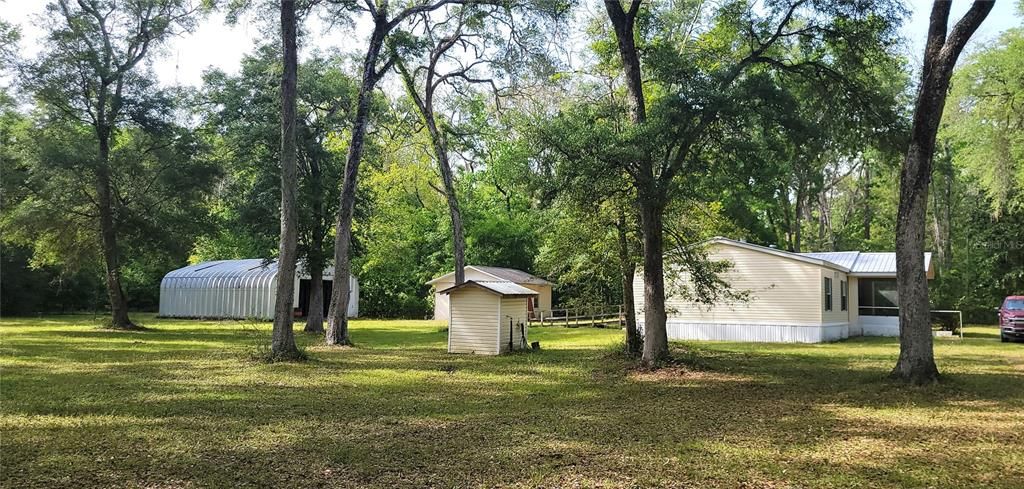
(880, 325)
(782, 291)
(837, 314)
(474, 322)
(760, 333)
(786, 302)
(855, 326)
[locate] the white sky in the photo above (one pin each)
(215, 44)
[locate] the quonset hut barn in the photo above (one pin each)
(238, 289)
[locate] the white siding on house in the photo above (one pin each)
(473, 327)
(785, 301)
(513, 309)
(837, 315)
(880, 325)
(855, 326)
(782, 291)
(441, 301)
(543, 295)
(762, 333)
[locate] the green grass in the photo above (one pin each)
(182, 405)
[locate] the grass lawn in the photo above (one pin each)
(183, 406)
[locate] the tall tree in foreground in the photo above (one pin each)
(283, 341)
(373, 70)
(90, 72)
(916, 362)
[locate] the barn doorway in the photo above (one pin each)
(305, 286)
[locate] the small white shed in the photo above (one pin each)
(238, 289)
(488, 318)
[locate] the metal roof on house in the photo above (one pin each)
(512, 275)
(501, 274)
(500, 287)
(862, 263)
(841, 258)
(865, 263)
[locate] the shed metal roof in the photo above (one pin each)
(500, 287)
(499, 273)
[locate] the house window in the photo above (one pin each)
(844, 295)
(828, 294)
(877, 297)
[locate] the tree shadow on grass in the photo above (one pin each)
(410, 415)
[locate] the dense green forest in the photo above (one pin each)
(803, 154)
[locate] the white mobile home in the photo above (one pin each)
(238, 289)
(792, 297)
(487, 318)
(540, 302)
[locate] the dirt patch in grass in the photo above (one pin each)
(676, 372)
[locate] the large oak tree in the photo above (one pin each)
(92, 71)
(916, 363)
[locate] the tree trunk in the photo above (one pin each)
(916, 362)
(787, 219)
(458, 238)
(655, 333)
(316, 259)
(623, 22)
(798, 221)
(447, 179)
(315, 314)
(118, 302)
(283, 341)
(828, 234)
(652, 205)
(634, 343)
(425, 105)
(337, 329)
(868, 214)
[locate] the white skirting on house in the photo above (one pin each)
(880, 325)
(759, 333)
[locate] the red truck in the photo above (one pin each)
(1011, 318)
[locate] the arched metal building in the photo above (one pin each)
(239, 289)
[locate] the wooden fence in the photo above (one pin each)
(595, 316)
